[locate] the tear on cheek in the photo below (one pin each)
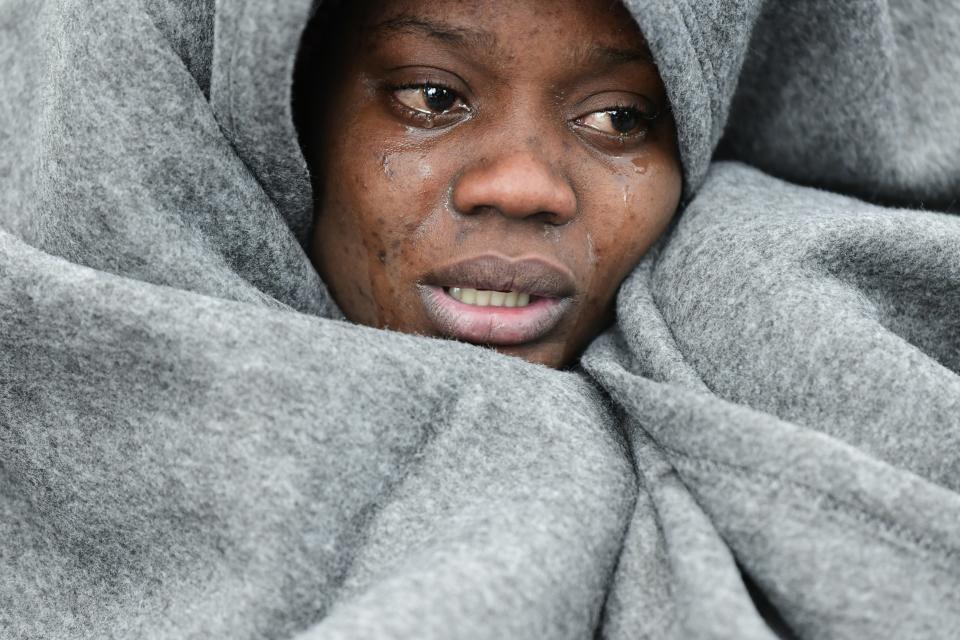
(386, 164)
(425, 170)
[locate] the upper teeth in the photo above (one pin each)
(481, 298)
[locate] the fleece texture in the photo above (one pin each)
(193, 443)
(857, 96)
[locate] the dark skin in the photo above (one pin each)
(526, 129)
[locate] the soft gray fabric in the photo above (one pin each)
(187, 449)
(193, 445)
(699, 47)
(857, 96)
(840, 319)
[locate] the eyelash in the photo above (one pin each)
(422, 117)
(424, 85)
(428, 120)
(647, 121)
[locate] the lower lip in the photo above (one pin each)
(492, 325)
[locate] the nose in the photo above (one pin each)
(517, 185)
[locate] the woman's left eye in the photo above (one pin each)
(619, 121)
(429, 99)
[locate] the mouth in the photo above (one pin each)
(497, 301)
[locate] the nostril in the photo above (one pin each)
(546, 217)
(518, 185)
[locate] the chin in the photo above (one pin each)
(553, 356)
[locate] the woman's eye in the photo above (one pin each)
(429, 99)
(624, 121)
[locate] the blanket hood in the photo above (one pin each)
(170, 157)
(852, 97)
(856, 97)
(800, 112)
(229, 73)
(248, 69)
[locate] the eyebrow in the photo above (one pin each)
(446, 33)
(466, 37)
(612, 56)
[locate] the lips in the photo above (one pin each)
(549, 287)
(534, 276)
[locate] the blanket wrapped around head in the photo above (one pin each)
(193, 443)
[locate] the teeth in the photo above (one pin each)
(482, 298)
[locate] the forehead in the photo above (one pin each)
(507, 29)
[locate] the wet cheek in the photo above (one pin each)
(404, 198)
(640, 165)
(640, 200)
(650, 191)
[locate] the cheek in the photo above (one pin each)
(345, 239)
(403, 200)
(377, 205)
(634, 207)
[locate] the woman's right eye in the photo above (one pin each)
(430, 99)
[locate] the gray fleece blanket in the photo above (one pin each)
(194, 444)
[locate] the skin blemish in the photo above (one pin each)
(463, 234)
(363, 293)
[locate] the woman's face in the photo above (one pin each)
(490, 171)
